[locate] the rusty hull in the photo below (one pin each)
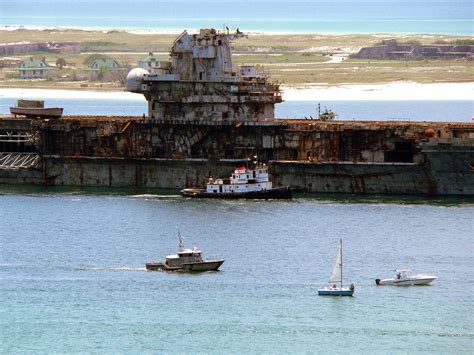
(434, 158)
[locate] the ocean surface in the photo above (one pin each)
(73, 278)
(337, 16)
(446, 111)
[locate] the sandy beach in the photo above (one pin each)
(45, 94)
(390, 91)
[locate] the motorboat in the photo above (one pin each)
(337, 289)
(403, 279)
(244, 182)
(186, 260)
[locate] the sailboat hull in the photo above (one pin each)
(336, 292)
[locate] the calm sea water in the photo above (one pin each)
(73, 278)
(338, 16)
(446, 111)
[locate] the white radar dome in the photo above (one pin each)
(135, 78)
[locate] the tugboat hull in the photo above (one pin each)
(276, 193)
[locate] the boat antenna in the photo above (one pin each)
(180, 242)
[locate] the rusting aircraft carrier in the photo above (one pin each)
(205, 116)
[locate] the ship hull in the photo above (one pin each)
(336, 292)
(211, 265)
(276, 193)
(70, 154)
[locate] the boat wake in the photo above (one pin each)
(112, 268)
(155, 197)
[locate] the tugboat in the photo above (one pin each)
(186, 260)
(243, 183)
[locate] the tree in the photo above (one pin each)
(60, 62)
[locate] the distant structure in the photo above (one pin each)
(34, 68)
(100, 67)
(200, 82)
(390, 49)
(152, 65)
(12, 49)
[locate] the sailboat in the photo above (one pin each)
(336, 277)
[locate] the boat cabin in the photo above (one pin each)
(242, 180)
(401, 273)
(185, 256)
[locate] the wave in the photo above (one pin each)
(153, 196)
(111, 268)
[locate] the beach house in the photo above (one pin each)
(34, 68)
(152, 65)
(100, 69)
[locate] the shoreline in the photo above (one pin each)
(163, 31)
(395, 91)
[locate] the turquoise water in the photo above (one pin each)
(446, 111)
(338, 16)
(73, 277)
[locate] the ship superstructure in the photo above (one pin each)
(200, 82)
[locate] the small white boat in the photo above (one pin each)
(186, 260)
(243, 183)
(336, 277)
(403, 279)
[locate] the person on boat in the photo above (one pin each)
(398, 275)
(334, 286)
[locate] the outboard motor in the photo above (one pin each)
(377, 282)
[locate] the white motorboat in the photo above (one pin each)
(186, 260)
(336, 277)
(403, 279)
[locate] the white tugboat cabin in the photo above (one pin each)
(241, 180)
(244, 182)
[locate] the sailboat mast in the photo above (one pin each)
(340, 240)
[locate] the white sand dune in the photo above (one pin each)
(389, 91)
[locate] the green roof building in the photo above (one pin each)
(34, 68)
(98, 64)
(153, 65)
(104, 69)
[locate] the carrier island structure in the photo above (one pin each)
(206, 116)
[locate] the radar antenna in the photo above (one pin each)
(180, 242)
